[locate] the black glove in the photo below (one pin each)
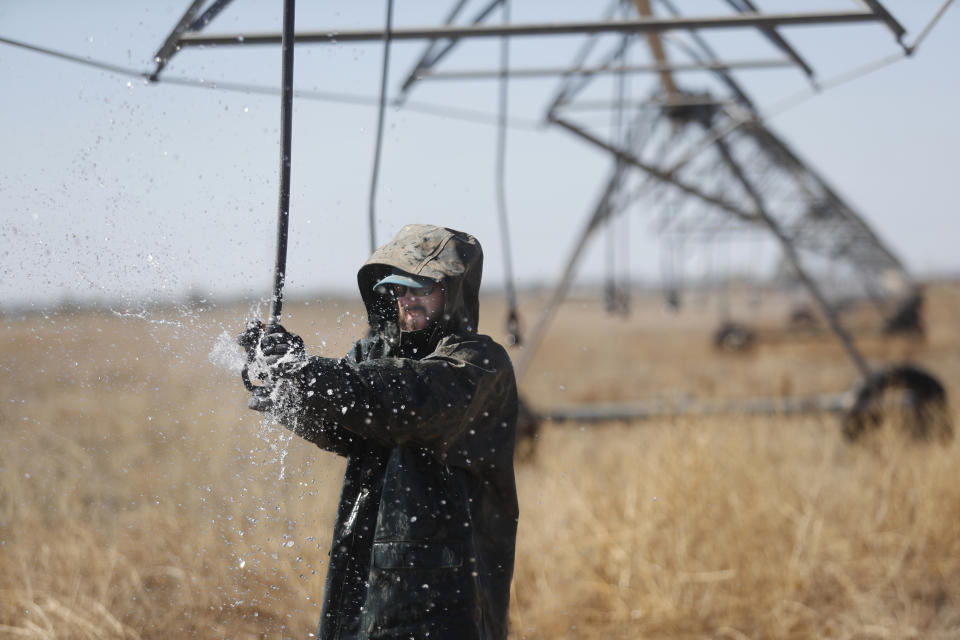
(278, 344)
(260, 399)
(272, 351)
(250, 338)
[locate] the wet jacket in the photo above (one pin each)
(423, 544)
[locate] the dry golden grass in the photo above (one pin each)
(139, 498)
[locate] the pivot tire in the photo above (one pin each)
(911, 397)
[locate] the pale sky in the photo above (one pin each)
(115, 189)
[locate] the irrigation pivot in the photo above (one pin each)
(693, 148)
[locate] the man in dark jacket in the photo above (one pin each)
(425, 412)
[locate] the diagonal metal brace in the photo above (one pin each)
(172, 43)
(746, 6)
(898, 30)
(660, 174)
(790, 253)
(208, 15)
(433, 54)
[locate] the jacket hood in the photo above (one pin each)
(438, 253)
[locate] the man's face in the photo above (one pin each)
(416, 309)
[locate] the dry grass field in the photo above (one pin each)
(139, 498)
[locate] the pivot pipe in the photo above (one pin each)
(254, 329)
(286, 140)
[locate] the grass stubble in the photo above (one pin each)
(139, 498)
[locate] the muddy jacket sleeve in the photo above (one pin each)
(292, 398)
(429, 403)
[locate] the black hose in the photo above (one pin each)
(286, 131)
(254, 329)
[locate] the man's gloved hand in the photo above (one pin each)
(260, 399)
(281, 349)
(272, 352)
(250, 337)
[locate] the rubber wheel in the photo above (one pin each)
(914, 398)
(733, 337)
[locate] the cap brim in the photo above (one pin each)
(396, 278)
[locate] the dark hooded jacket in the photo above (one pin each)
(423, 544)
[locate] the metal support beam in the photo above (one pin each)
(790, 253)
(542, 72)
(209, 15)
(171, 44)
(656, 49)
(746, 6)
(574, 83)
(787, 405)
(607, 105)
(567, 86)
(891, 22)
(767, 139)
(707, 51)
(629, 158)
(600, 213)
(431, 56)
(659, 25)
